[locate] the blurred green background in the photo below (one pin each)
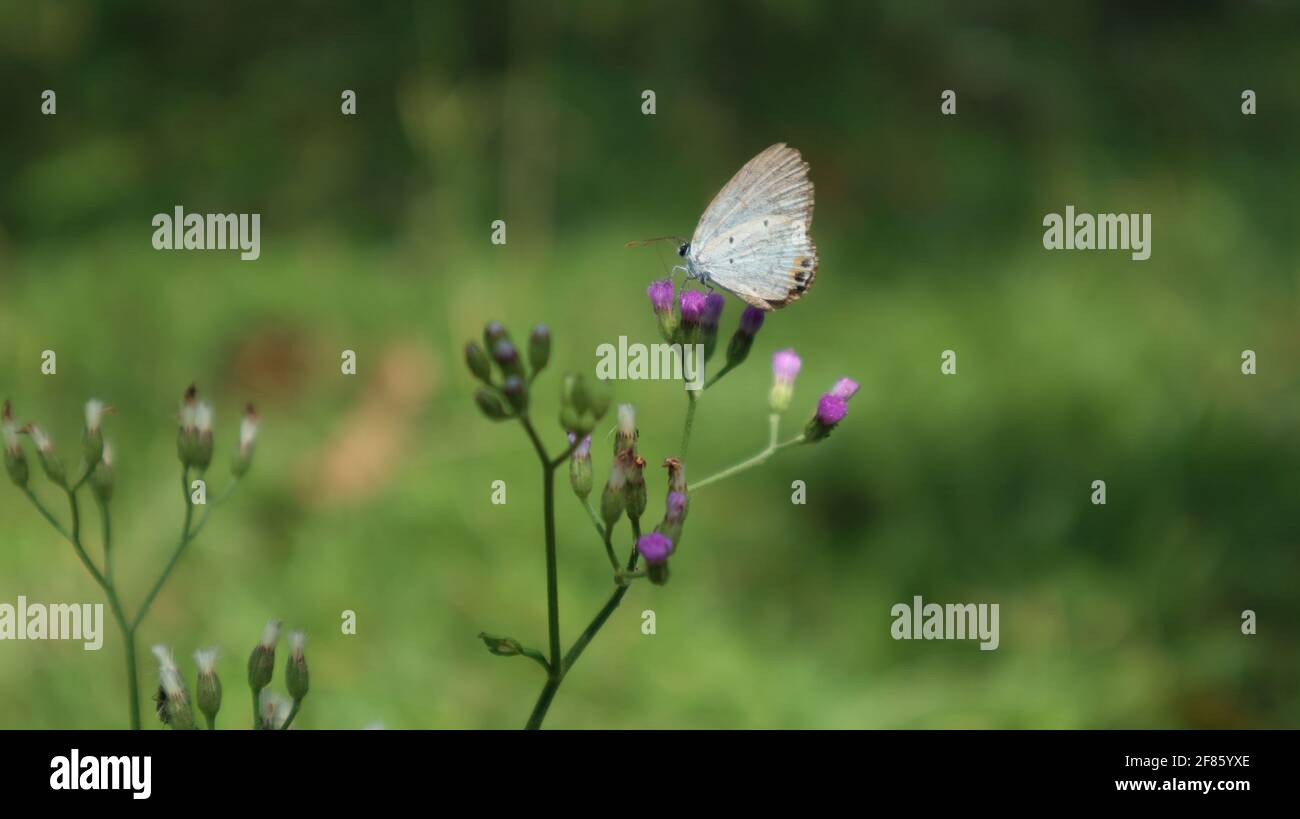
(372, 493)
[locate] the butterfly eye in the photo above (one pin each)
(681, 251)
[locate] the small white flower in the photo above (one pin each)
(626, 420)
(94, 414)
(271, 634)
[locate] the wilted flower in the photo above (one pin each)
(101, 476)
(187, 435)
(785, 366)
(273, 710)
(175, 710)
(49, 458)
(93, 439)
(15, 460)
(580, 474)
(203, 430)
(626, 438)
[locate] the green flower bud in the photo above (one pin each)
(539, 348)
(613, 500)
(634, 492)
(208, 694)
(187, 434)
(92, 440)
(101, 477)
(516, 393)
(478, 362)
(203, 438)
(296, 678)
(261, 663)
(490, 404)
(657, 573)
(580, 477)
(494, 331)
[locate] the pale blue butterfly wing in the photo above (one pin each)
(753, 238)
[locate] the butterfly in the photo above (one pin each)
(753, 239)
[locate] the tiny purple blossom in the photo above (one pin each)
(693, 303)
(661, 295)
(751, 320)
(713, 304)
(655, 547)
(583, 449)
(831, 409)
(785, 366)
(844, 389)
(676, 506)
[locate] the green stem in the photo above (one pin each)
(726, 368)
(772, 448)
(257, 717)
(186, 535)
(692, 397)
(293, 712)
(212, 723)
(556, 671)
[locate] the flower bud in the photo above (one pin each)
(296, 678)
(247, 437)
(661, 298)
(785, 366)
(101, 477)
(539, 348)
(516, 393)
(507, 358)
(203, 440)
(713, 304)
(92, 441)
(625, 440)
(15, 460)
(478, 362)
(492, 333)
(582, 403)
(490, 404)
(613, 499)
(634, 493)
(187, 435)
(49, 458)
(743, 339)
(261, 663)
(676, 475)
(674, 518)
(208, 694)
(580, 477)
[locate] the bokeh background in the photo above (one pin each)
(372, 492)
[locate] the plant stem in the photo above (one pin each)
(293, 712)
(692, 396)
(186, 535)
(556, 671)
(772, 447)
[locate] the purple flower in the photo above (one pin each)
(751, 320)
(831, 409)
(693, 303)
(713, 304)
(583, 449)
(844, 389)
(785, 366)
(661, 295)
(654, 547)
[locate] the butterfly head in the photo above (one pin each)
(682, 248)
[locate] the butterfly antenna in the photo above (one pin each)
(644, 242)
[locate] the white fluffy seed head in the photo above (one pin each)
(297, 642)
(203, 417)
(271, 634)
(206, 659)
